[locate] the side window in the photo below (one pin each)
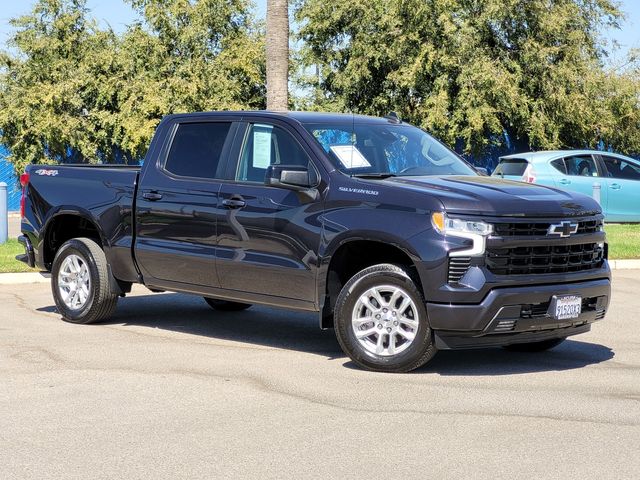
(196, 149)
(618, 168)
(267, 145)
(581, 166)
(559, 165)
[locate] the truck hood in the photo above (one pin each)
(473, 195)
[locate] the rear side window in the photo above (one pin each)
(560, 165)
(581, 166)
(511, 167)
(196, 149)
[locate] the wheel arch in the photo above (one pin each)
(346, 257)
(65, 224)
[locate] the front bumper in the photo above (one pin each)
(516, 315)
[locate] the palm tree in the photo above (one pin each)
(277, 54)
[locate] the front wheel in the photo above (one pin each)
(80, 282)
(535, 346)
(381, 323)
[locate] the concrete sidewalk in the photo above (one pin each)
(24, 278)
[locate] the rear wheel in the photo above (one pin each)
(80, 282)
(381, 323)
(535, 346)
(225, 305)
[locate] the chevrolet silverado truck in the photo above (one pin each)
(389, 236)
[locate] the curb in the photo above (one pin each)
(624, 264)
(24, 278)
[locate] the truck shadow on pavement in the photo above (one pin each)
(571, 354)
(297, 331)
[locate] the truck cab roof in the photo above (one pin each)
(301, 117)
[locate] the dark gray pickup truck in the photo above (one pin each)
(394, 240)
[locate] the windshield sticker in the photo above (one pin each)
(350, 156)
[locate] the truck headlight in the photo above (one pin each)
(458, 227)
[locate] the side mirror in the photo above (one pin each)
(292, 177)
(482, 171)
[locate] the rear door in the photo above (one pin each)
(268, 237)
(579, 173)
(623, 203)
(177, 201)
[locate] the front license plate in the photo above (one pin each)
(565, 307)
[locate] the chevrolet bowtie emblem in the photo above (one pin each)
(564, 229)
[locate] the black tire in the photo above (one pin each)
(225, 305)
(417, 353)
(535, 346)
(101, 300)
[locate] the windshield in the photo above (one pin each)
(386, 149)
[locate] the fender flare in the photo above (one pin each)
(327, 253)
(72, 211)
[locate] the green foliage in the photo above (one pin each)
(71, 91)
(471, 69)
(189, 56)
(624, 240)
(464, 69)
(47, 89)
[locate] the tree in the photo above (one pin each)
(74, 92)
(51, 91)
(472, 70)
(189, 56)
(277, 52)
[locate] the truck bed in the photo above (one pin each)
(103, 194)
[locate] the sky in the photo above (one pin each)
(117, 13)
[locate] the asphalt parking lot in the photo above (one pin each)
(171, 389)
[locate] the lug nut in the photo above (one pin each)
(395, 313)
(379, 325)
(378, 317)
(389, 329)
(395, 323)
(385, 310)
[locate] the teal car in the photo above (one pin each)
(617, 176)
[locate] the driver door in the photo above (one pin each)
(268, 237)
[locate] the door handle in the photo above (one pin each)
(615, 186)
(152, 196)
(234, 203)
(564, 181)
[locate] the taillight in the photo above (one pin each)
(529, 175)
(24, 181)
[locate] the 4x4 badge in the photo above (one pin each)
(564, 229)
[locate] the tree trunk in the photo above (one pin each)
(277, 55)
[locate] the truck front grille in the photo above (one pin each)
(544, 259)
(517, 229)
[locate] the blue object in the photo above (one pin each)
(613, 179)
(8, 175)
(4, 221)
